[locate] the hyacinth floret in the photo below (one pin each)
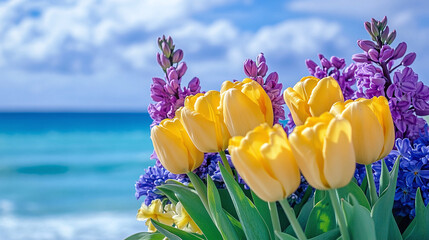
(257, 71)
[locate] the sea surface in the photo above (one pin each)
(71, 175)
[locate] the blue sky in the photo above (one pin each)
(100, 55)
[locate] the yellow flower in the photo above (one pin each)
(324, 151)
(372, 125)
(264, 159)
(245, 105)
(174, 148)
(156, 212)
(312, 97)
(183, 221)
(202, 119)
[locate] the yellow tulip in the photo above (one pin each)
(264, 159)
(312, 97)
(183, 221)
(174, 148)
(372, 126)
(324, 152)
(156, 212)
(203, 120)
(245, 105)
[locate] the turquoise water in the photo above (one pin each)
(71, 175)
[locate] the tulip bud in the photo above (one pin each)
(177, 56)
(324, 151)
(372, 126)
(312, 97)
(250, 68)
(264, 159)
(174, 148)
(245, 105)
(409, 59)
(203, 120)
(391, 37)
(400, 50)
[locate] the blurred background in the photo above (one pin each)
(74, 90)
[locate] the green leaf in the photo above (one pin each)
(253, 225)
(227, 203)
(394, 232)
(146, 236)
(382, 209)
(264, 210)
(173, 233)
(359, 221)
(222, 222)
(321, 219)
(302, 217)
(418, 229)
(195, 208)
(237, 225)
(329, 235)
(284, 236)
(308, 192)
(384, 178)
(353, 189)
(170, 194)
(319, 195)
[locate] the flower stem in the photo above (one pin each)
(333, 194)
(201, 191)
(274, 217)
(292, 219)
(225, 162)
(371, 184)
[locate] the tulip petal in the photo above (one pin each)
(258, 95)
(305, 86)
(338, 153)
(368, 139)
(324, 95)
(297, 106)
(240, 113)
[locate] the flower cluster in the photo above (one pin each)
(168, 93)
(257, 71)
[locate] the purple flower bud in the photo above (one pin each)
(158, 59)
(373, 55)
(385, 34)
(260, 59)
(158, 81)
(262, 69)
(181, 69)
(170, 42)
(172, 74)
(177, 56)
(260, 80)
(273, 77)
(338, 62)
(360, 57)
(386, 53)
(160, 43)
(368, 27)
(400, 50)
(325, 63)
(166, 50)
(311, 65)
(165, 62)
(366, 45)
(383, 22)
(374, 28)
(250, 68)
(409, 59)
(391, 37)
(194, 85)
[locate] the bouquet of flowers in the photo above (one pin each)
(350, 162)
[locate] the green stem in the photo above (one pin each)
(225, 162)
(333, 194)
(371, 184)
(201, 191)
(292, 219)
(274, 217)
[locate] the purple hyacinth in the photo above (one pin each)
(257, 71)
(336, 68)
(168, 93)
(147, 183)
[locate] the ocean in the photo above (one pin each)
(71, 175)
